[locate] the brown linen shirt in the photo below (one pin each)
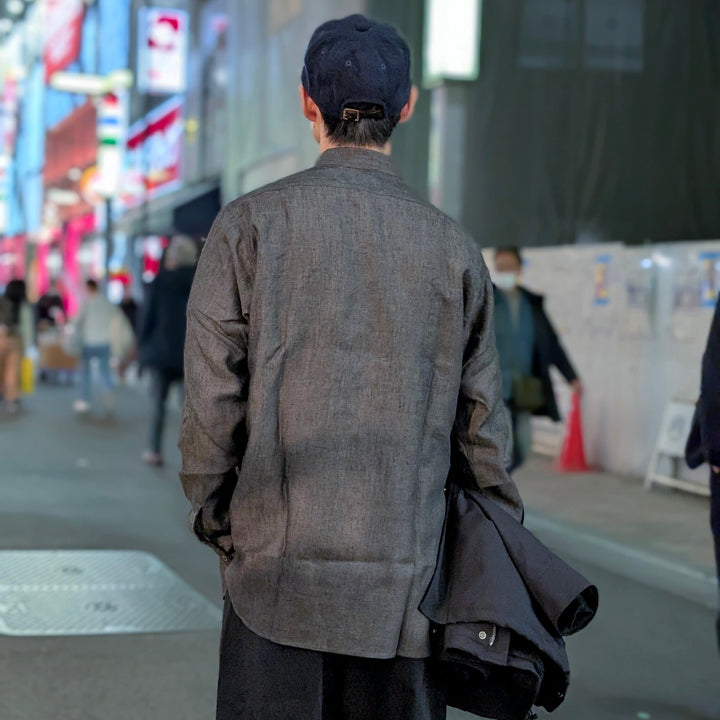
(339, 345)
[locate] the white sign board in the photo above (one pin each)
(162, 51)
(675, 429)
(670, 449)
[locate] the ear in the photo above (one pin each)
(407, 112)
(310, 110)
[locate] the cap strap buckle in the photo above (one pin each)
(351, 115)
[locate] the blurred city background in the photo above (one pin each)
(586, 132)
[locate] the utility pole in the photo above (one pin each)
(109, 134)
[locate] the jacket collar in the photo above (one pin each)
(531, 296)
(358, 158)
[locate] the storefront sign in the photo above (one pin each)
(63, 34)
(110, 132)
(154, 154)
(69, 146)
(162, 51)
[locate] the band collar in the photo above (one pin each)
(355, 157)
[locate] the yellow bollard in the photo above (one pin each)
(27, 376)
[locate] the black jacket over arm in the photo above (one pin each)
(501, 603)
(704, 441)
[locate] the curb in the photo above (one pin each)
(690, 583)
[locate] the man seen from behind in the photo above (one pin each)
(340, 348)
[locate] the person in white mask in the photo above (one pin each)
(528, 346)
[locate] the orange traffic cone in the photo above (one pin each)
(572, 457)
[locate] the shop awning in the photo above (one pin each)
(190, 210)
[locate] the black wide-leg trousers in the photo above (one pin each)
(260, 680)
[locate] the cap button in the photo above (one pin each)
(362, 26)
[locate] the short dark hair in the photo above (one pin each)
(91, 284)
(16, 291)
(366, 132)
(510, 250)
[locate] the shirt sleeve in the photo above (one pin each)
(213, 434)
(482, 434)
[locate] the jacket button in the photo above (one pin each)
(482, 635)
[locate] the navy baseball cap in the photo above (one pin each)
(354, 61)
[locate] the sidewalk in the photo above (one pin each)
(659, 537)
(69, 483)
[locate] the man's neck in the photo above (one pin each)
(327, 144)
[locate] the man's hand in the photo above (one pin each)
(715, 469)
(577, 387)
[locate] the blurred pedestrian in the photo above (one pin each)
(703, 445)
(16, 336)
(130, 307)
(131, 310)
(339, 351)
(93, 328)
(50, 308)
(162, 334)
(528, 346)
(50, 313)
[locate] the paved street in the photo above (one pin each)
(67, 483)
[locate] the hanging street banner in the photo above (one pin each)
(162, 51)
(110, 131)
(154, 154)
(63, 34)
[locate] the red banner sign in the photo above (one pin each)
(63, 34)
(154, 154)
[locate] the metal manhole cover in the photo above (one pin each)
(96, 592)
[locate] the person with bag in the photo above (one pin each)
(528, 346)
(16, 336)
(161, 334)
(339, 346)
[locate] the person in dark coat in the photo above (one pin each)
(130, 308)
(50, 307)
(704, 442)
(161, 335)
(528, 346)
